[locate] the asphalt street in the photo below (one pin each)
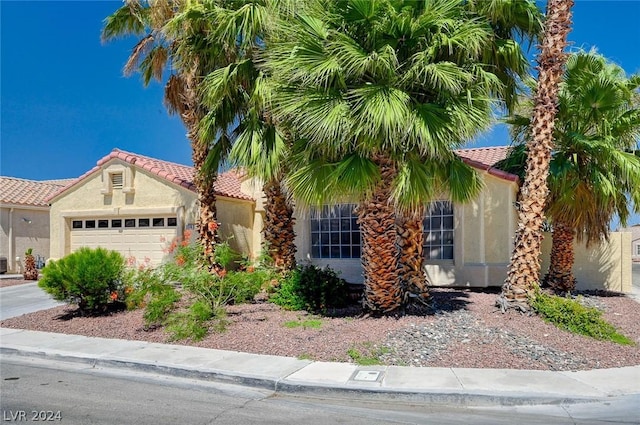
(93, 395)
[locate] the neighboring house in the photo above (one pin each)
(137, 205)
(635, 241)
(24, 219)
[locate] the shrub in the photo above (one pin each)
(90, 278)
(205, 293)
(312, 288)
(150, 290)
(287, 295)
(570, 315)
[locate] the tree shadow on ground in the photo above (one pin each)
(111, 308)
(441, 300)
(600, 293)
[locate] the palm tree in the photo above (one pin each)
(236, 96)
(524, 269)
(509, 20)
(159, 51)
(378, 94)
(592, 171)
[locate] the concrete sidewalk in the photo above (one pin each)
(487, 387)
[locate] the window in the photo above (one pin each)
(638, 249)
(130, 222)
(438, 229)
(172, 222)
(76, 224)
(158, 222)
(90, 224)
(143, 222)
(102, 224)
(335, 232)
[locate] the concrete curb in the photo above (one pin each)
(466, 387)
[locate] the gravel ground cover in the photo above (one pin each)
(462, 329)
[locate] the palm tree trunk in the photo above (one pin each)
(411, 256)
(191, 115)
(376, 217)
(278, 226)
(560, 275)
(524, 270)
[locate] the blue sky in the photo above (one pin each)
(65, 102)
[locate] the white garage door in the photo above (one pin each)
(136, 238)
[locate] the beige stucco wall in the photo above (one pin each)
(483, 240)
(150, 195)
(23, 228)
(603, 266)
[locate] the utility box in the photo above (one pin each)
(3, 265)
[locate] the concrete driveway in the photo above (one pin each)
(22, 299)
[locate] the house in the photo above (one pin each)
(635, 241)
(24, 219)
(136, 204)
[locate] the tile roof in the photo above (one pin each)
(227, 184)
(486, 158)
(15, 191)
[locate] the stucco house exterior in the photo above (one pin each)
(635, 241)
(136, 205)
(24, 218)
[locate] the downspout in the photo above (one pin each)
(12, 259)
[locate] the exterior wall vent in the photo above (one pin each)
(117, 181)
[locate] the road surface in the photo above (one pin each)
(81, 394)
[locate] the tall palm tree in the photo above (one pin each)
(170, 56)
(378, 94)
(524, 268)
(592, 171)
(236, 96)
(509, 21)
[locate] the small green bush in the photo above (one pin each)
(312, 288)
(570, 315)
(90, 278)
(151, 291)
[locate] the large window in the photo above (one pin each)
(438, 231)
(335, 232)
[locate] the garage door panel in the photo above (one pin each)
(141, 243)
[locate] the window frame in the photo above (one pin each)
(439, 228)
(334, 233)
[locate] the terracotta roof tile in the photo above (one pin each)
(228, 183)
(32, 193)
(486, 158)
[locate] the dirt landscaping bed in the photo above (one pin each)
(462, 329)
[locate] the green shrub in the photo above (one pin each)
(90, 278)
(151, 291)
(312, 288)
(570, 315)
(205, 293)
(287, 295)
